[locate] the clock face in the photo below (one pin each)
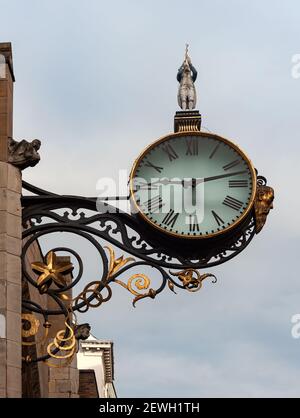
(193, 185)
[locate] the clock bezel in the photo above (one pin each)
(164, 138)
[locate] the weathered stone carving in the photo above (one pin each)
(186, 76)
(23, 154)
(82, 331)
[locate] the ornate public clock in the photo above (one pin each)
(193, 185)
(196, 203)
(196, 185)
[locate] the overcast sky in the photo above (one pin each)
(96, 82)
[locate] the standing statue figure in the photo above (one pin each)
(186, 76)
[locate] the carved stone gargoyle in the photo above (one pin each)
(82, 331)
(23, 154)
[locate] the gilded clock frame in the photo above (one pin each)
(200, 134)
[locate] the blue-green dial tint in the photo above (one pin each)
(193, 185)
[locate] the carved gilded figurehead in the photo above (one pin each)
(263, 204)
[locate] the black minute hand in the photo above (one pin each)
(221, 176)
(192, 182)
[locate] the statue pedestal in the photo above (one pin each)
(187, 121)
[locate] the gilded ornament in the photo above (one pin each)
(34, 325)
(116, 264)
(171, 286)
(63, 344)
(52, 272)
(191, 279)
(33, 330)
(262, 205)
(141, 282)
(92, 289)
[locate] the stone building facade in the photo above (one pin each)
(18, 379)
(95, 361)
(10, 241)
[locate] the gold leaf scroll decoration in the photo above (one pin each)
(191, 279)
(32, 332)
(140, 282)
(116, 263)
(91, 289)
(65, 345)
(34, 325)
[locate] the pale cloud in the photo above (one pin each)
(259, 372)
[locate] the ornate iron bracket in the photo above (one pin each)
(105, 228)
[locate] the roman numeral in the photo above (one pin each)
(194, 226)
(170, 152)
(214, 151)
(238, 183)
(233, 203)
(192, 147)
(217, 218)
(154, 204)
(156, 167)
(171, 218)
(145, 186)
(231, 165)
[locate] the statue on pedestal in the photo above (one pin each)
(186, 76)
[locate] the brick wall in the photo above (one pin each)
(88, 384)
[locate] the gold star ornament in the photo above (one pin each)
(53, 271)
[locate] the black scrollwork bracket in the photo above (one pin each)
(106, 228)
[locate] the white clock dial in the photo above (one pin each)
(194, 185)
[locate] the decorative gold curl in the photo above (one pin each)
(189, 281)
(116, 263)
(140, 281)
(65, 345)
(33, 330)
(34, 325)
(92, 289)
